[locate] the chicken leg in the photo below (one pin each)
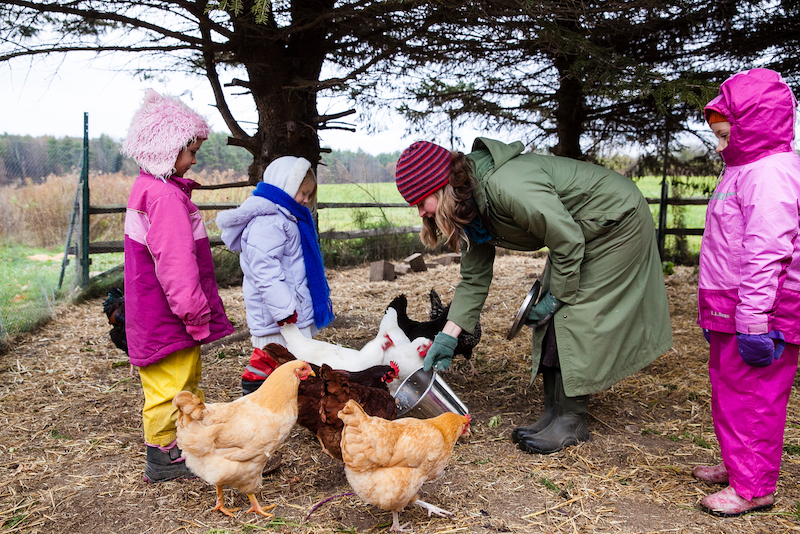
(431, 508)
(220, 504)
(255, 507)
(396, 526)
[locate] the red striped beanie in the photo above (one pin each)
(423, 168)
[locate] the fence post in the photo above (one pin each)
(82, 244)
(662, 209)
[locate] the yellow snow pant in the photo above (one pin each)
(161, 381)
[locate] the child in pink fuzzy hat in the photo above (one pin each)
(171, 301)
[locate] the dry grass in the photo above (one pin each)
(73, 452)
(39, 214)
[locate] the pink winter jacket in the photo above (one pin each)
(171, 298)
(750, 256)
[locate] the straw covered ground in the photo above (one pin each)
(72, 448)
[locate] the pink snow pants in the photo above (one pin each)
(748, 405)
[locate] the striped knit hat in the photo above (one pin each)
(423, 168)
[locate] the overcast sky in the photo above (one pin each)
(49, 97)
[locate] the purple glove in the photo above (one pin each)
(707, 335)
(759, 350)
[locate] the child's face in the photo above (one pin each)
(186, 158)
(723, 132)
(306, 191)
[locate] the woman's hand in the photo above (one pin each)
(544, 310)
(441, 352)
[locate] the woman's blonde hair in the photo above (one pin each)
(455, 208)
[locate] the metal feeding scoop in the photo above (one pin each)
(522, 314)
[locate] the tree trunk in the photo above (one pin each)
(570, 113)
(283, 70)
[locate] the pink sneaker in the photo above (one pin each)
(728, 503)
(713, 474)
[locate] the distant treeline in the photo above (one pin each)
(26, 158)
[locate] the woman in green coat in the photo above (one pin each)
(604, 313)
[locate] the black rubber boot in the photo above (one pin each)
(549, 412)
(568, 428)
(165, 465)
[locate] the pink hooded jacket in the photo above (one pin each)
(750, 256)
(171, 298)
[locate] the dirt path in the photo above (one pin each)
(72, 449)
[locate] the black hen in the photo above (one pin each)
(114, 308)
(438, 317)
(466, 341)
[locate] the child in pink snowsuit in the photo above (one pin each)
(749, 287)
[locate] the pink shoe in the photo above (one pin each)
(728, 503)
(713, 474)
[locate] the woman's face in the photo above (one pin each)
(427, 208)
(723, 132)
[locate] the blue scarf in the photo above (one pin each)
(477, 232)
(312, 255)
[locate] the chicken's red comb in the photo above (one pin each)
(423, 349)
(469, 418)
(396, 369)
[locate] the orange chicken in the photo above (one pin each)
(386, 462)
(228, 443)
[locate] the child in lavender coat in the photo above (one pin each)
(284, 276)
(749, 287)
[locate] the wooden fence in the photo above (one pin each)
(82, 211)
(102, 247)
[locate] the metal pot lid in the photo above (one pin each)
(527, 304)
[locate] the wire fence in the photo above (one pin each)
(32, 207)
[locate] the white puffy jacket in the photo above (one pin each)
(267, 238)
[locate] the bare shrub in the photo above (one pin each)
(37, 214)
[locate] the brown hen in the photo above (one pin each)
(320, 398)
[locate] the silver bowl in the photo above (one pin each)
(425, 394)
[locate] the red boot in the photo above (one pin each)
(728, 503)
(261, 366)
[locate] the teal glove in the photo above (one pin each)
(441, 352)
(544, 310)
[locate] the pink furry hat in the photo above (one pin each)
(160, 129)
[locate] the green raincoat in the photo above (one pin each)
(603, 261)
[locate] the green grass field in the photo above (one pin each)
(690, 216)
(340, 219)
(360, 218)
(29, 279)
